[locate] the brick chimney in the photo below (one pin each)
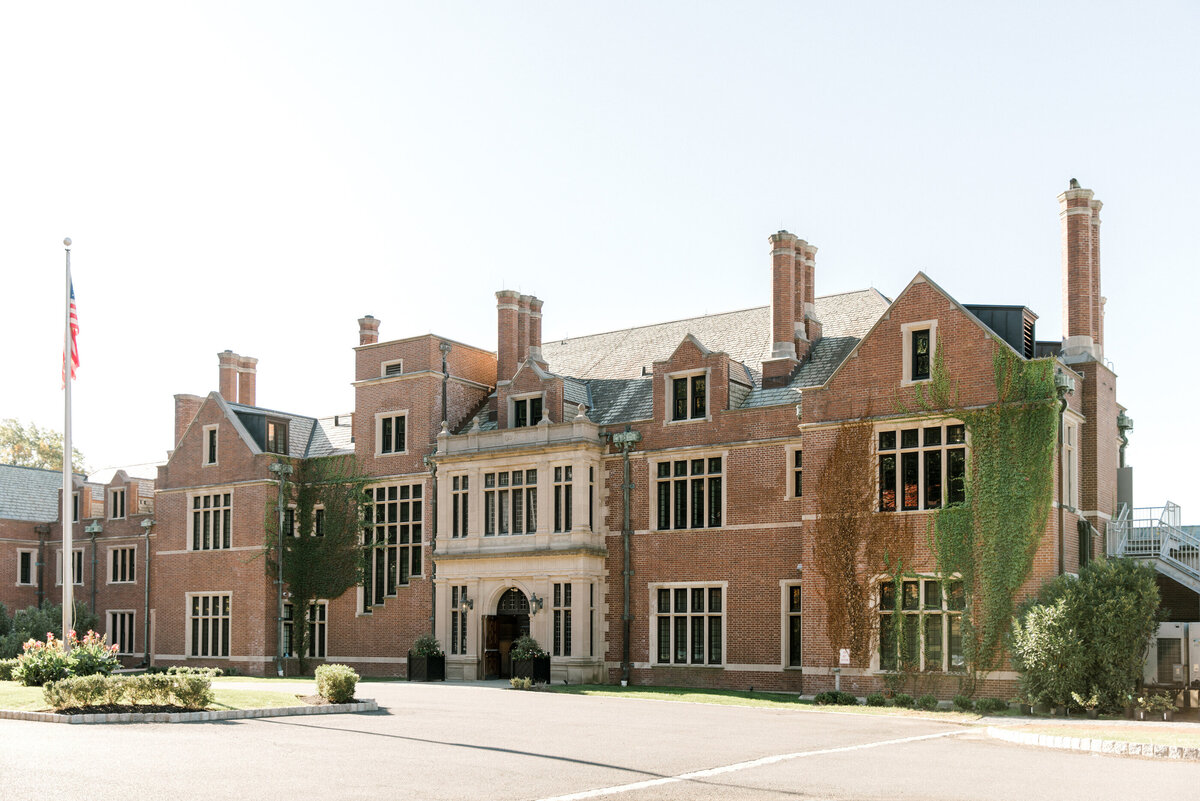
(368, 330)
(812, 326)
(247, 376)
(1083, 323)
(507, 337)
(535, 332)
(783, 359)
(186, 408)
(228, 384)
(523, 327)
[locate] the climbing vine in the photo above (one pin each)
(990, 539)
(322, 555)
(853, 544)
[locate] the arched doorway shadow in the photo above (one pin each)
(510, 621)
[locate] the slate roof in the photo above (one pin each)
(613, 364)
(29, 493)
(329, 439)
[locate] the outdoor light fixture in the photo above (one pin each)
(466, 605)
(535, 604)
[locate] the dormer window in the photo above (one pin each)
(116, 504)
(527, 412)
(689, 397)
(277, 437)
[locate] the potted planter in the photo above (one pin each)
(1093, 714)
(529, 661)
(426, 660)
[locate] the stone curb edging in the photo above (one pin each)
(1114, 747)
(192, 717)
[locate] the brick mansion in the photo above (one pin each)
(644, 502)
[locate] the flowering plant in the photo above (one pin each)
(41, 662)
(1157, 703)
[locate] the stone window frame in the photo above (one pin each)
(225, 632)
(116, 503)
(389, 363)
(392, 415)
(113, 639)
(526, 398)
(318, 629)
(944, 611)
(227, 520)
(688, 456)
(32, 567)
(906, 335)
(210, 445)
(58, 566)
(130, 564)
(654, 652)
(920, 425)
(669, 417)
(792, 472)
(786, 614)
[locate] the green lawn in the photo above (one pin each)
(1162, 734)
(29, 699)
(745, 698)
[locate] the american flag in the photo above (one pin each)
(74, 324)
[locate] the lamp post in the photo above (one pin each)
(147, 524)
(94, 529)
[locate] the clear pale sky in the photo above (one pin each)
(257, 176)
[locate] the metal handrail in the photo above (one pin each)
(1155, 532)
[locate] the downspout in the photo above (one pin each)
(625, 441)
(42, 530)
(444, 347)
(147, 524)
(95, 560)
(1063, 384)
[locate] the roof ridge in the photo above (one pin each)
(558, 341)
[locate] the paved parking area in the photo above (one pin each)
(468, 741)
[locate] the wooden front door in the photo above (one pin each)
(491, 647)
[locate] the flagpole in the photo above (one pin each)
(68, 557)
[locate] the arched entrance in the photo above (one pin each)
(499, 630)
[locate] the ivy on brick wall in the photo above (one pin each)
(991, 539)
(324, 559)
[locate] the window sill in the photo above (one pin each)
(391, 453)
(688, 665)
(908, 382)
(120, 583)
(688, 420)
(685, 530)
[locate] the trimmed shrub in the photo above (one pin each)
(876, 699)
(427, 645)
(336, 683)
(903, 700)
(149, 688)
(1087, 635)
(963, 703)
(191, 692)
(525, 647)
(927, 702)
(6, 669)
(519, 683)
(835, 698)
(188, 670)
(987, 706)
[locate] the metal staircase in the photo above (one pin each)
(1155, 533)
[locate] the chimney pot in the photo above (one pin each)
(523, 328)
(1083, 332)
(368, 330)
(535, 332)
